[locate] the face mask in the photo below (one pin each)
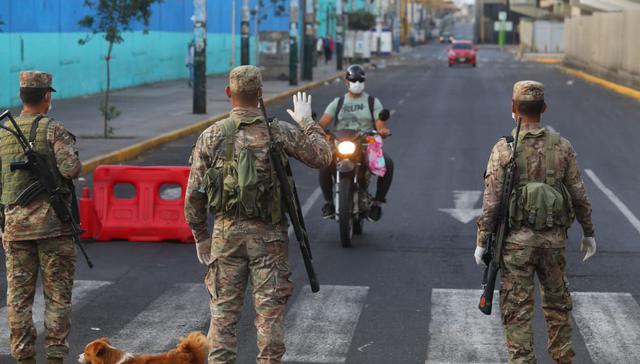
(356, 87)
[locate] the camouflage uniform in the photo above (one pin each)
(248, 249)
(527, 251)
(34, 239)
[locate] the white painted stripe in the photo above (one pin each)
(81, 291)
(610, 326)
(459, 333)
(183, 308)
(308, 204)
(319, 326)
(613, 198)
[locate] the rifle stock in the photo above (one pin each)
(493, 256)
(292, 202)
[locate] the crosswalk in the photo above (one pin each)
(320, 327)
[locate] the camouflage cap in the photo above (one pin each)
(36, 79)
(528, 91)
(245, 79)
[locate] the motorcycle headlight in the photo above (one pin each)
(346, 148)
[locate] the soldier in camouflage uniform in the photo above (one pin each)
(248, 247)
(34, 238)
(527, 251)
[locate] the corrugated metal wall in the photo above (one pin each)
(44, 34)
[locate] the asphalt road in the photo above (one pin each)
(407, 289)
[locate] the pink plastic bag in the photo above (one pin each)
(375, 156)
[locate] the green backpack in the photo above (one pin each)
(236, 188)
(540, 205)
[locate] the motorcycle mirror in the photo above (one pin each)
(384, 115)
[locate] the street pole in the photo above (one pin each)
(293, 42)
(199, 58)
(232, 59)
(308, 47)
(339, 35)
(256, 45)
(244, 31)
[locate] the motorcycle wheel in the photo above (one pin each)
(345, 211)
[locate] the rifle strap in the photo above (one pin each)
(34, 128)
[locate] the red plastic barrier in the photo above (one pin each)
(146, 216)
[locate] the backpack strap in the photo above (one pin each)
(338, 108)
(372, 101)
(34, 128)
(521, 161)
(551, 140)
(229, 131)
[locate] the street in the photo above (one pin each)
(407, 291)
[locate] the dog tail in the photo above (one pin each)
(196, 344)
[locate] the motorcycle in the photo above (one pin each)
(351, 197)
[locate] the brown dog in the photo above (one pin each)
(192, 349)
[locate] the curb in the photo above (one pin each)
(623, 90)
(131, 151)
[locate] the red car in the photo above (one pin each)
(462, 52)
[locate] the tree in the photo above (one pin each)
(111, 18)
(361, 20)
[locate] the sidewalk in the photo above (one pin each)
(152, 110)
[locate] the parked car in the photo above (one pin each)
(462, 52)
(446, 37)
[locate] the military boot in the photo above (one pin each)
(55, 361)
(27, 361)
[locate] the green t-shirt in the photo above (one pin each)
(355, 113)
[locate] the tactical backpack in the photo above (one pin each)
(236, 188)
(370, 100)
(540, 205)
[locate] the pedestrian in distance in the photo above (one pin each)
(188, 60)
(233, 177)
(548, 195)
(34, 238)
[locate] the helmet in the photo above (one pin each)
(355, 73)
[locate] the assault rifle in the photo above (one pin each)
(44, 183)
(493, 256)
(290, 194)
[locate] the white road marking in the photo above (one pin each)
(319, 326)
(614, 199)
(308, 204)
(183, 308)
(464, 202)
(610, 326)
(459, 333)
(81, 291)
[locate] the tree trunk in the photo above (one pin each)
(106, 112)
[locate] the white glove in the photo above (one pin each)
(203, 249)
(589, 246)
(301, 109)
(478, 255)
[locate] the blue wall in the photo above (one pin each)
(49, 42)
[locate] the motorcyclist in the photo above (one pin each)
(354, 111)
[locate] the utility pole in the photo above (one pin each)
(244, 31)
(199, 58)
(256, 45)
(232, 59)
(339, 35)
(293, 42)
(308, 48)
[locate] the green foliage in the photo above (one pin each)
(109, 113)
(361, 20)
(112, 17)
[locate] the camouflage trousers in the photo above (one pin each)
(521, 262)
(56, 259)
(264, 264)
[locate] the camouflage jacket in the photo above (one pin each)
(567, 171)
(38, 220)
(307, 145)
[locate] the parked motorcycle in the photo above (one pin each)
(350, 192)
